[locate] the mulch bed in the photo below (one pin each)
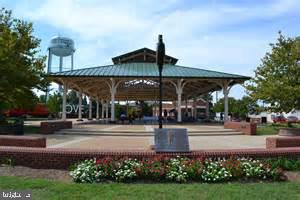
(50, 174)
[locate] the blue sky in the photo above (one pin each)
(224, 35)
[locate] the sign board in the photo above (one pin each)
(171, 140)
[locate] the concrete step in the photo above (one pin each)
(139, 133)
(81, 130)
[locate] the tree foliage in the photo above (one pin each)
(277, 79)
(21, 66)
(54, 103)
(239, 108)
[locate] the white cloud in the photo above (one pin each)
(211, 35)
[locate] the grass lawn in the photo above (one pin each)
(272, 129)
(44, 189)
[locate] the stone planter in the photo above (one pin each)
(289, 132)
(16, 128)
(171, 140)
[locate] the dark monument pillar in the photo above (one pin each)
(167, 139)
(160, 55)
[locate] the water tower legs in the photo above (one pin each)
(49, 71)
(72, 62)
(60, 70)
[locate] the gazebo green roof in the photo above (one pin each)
(136, 75)
(147, 70)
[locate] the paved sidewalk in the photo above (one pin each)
(140, 137)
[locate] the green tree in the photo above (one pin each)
(21, 66)
(239, 108)
(277, 78)
(72, 97)
(54, 103)
(219, 105)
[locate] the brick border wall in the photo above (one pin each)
(49, 127)
(245, 127)
(278, 142)
(22, 141)
(59, 158)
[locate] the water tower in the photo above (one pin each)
(61, 47)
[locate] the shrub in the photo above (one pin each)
(214, 171)
(127, 170)
(285, 163)
(256, 169)
(151, 170)
(85, 172)
(178, 169)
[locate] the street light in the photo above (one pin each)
(160, 55)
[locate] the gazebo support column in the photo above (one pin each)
(207, 110)
(102, 109)
(226, 87)
(97, 109)
(79, 106)
(179, 89)
(90, 108)
(106, 109)
(113, 89)
(64, 103)
(225, 92)
(179, 118)
(186, 107)
(112, 108)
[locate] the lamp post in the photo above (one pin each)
(160, 55)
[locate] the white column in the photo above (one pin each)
(225, 92)
(179, 88)
(112, 106)
(113, 90)
(64, 103)
(186, 107)
(97, 110)
(179, 93)
(102, 109)
(90, 108)
(207, 110)
(79, 106)
(106, 109)
(193, 108)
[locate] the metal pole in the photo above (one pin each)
(160, 55)
(160, 99)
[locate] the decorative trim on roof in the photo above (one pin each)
(142, 55)
(147, 70)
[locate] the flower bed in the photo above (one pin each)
(178, 169)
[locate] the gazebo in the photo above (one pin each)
(134, 76)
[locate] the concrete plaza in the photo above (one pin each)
(140, 137)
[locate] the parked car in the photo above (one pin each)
(279, 119)
(292, 119)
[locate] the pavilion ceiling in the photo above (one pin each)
(137, 89)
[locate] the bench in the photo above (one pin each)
(49, 127)
(280, 142)
(23, 141)
(244, 127)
